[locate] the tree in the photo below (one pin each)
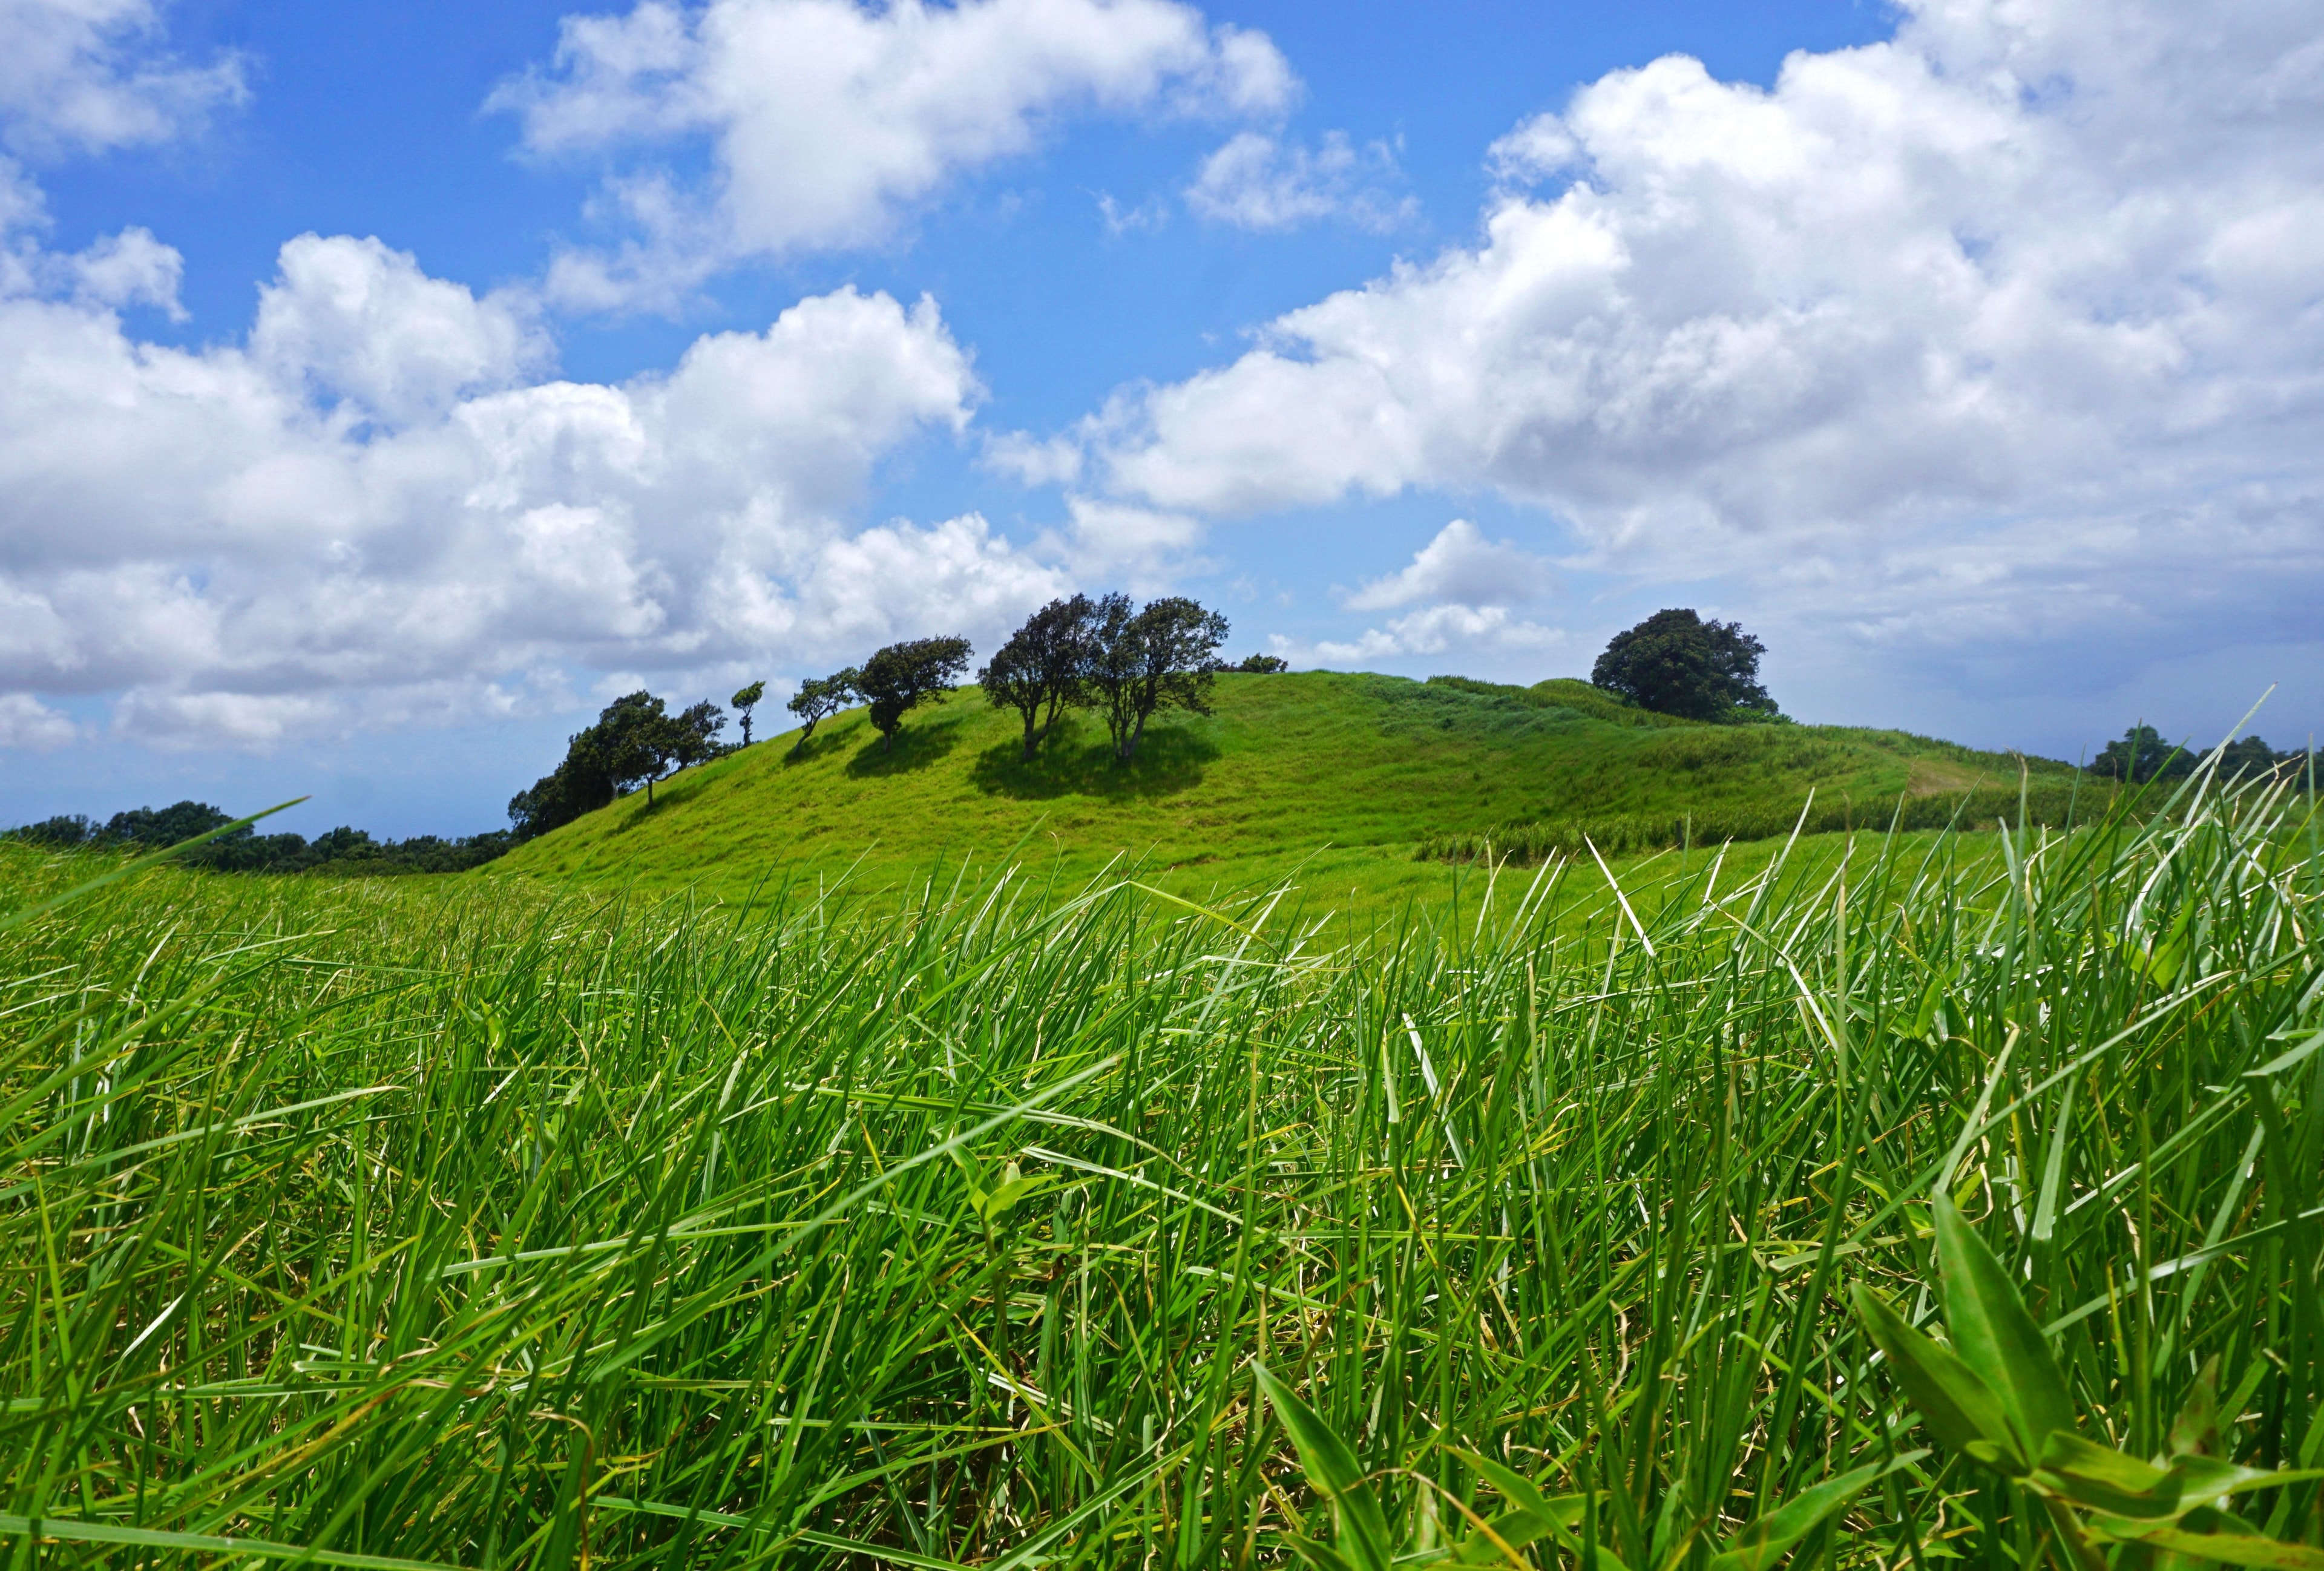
(1150, 660)
(635, 742)
(820, 697)
(1676, 663)
(2142, 755)
(1042, 667)
(902, 677)
(1264, 664)
(744, 702)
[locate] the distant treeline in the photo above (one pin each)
(341, 851)
(2142, 755)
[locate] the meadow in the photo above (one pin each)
(1329, 779)
(1010, 1220)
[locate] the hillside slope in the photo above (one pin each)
(1368, 766)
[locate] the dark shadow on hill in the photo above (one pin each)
(819, 747)
(924, 740)
(1170, 760)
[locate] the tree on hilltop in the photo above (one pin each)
(1043, 668)
(1676, 663)
(902, 677)
(2142, 755)
(744, 701)
(1146, 661)
(818, 698)
(636, 741)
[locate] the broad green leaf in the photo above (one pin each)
(1995, 1336)
(1334, 1473)
(1521, 1492)
(2196, 1431)
(1515, 1528)
(1959, 1408)
(1768, 1539)
(2100, 1479)
(1014, 1187)
(1321, 1556)
(2231, 1548)
(66, 1530)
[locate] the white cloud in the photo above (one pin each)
(1143, 549)
(371, 516)
(28, 723)
(91, 75)
(1256, 181)
(830, 123)
(355, 320)
(2000, 295)
(1432, 630)
(1458, 565)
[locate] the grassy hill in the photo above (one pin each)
(1341, 776)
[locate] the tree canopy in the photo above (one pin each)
(744, 701)
(1043, 668)
(2140, 755)
(902, 677)
(635, 742)
(343, 850)
(1676, 663)
(1144, 660)
(818, 698)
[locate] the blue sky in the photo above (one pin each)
(384, 387)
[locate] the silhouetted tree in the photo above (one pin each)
(2142, 755)
(820, 697)
(744, 701)
(1676, 663)
(1146, 661)
(1264, 664)
(1043, 667)
(902, 677)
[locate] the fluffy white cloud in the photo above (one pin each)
(1487, 630)
(1458, 565)
(27, 723)
(355, 320)
(87, 75)
(1256, 181)
(829, 121)
(2024, 299)
(369, 515)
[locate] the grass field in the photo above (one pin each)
(463, 1224)
(1329, 779)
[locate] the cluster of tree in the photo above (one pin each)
(1127, 661)
(895, 681)
(342, 850)
(2142, 755)
(1676, 663)
(636, 742)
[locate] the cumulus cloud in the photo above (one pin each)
(2005, 292)
(92, 75)
(353, 319)
(32, 726)
(374, 512)
(1458, 565)
(1434, 630)
(1258, 181)
(829, 122)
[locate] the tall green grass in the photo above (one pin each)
(1528, 841)
(457, 1226)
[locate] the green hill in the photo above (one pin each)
(1343, 776)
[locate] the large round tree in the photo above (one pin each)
(1676, 663)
